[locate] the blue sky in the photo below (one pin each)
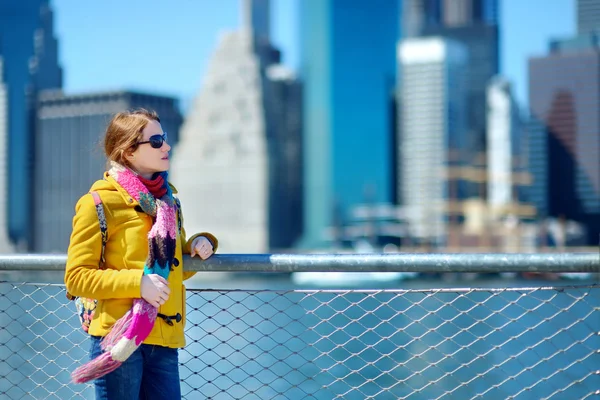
(164, 47)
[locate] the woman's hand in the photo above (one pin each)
(202, 247)
(155, 289)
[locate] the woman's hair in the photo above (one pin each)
(124, 131)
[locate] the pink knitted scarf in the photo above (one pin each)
(134, 327)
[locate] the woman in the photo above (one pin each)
(140, 291)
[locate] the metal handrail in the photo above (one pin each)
(416, 262)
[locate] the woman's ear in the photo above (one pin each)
(129, 156)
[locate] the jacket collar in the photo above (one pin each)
(130, 201)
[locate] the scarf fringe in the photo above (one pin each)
(95, 369)
(125, 337)
(117, 331)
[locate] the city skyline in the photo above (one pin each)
(339, 110)
(95, 60)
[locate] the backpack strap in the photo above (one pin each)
(103, 226)
(103, 232)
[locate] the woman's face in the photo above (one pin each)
(152, 153)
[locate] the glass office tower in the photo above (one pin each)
(348, 67)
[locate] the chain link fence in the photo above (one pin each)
(509, 343)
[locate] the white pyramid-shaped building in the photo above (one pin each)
(220, 166)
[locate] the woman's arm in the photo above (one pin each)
(187, 243)
(82, 274)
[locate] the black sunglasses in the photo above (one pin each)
(156, 141)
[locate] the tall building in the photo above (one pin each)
(537, 149)
(588, 30)
(501, 136)
(236, 164)
(5, 243)
(348, 68)
(420, 15)
(474, 23)
(29, 50)
(255, 14)
(564, 95)
(469, 12)
(507, 154)
(588, 17)
(457, 12)
(284, 120)
(433, 118)
(482, 44)
(69, 154)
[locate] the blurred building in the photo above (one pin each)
(507, 156)
(255, 14)
(475, 24)
(537, 146)
(501, 138)
(420, 15)
(30, 54)
(69, 154)
(588, 30)
(564, 95)
(5, 244)
(284, 120)
(588, 16)
(575, 44)
(433, 118)
(237, 165)
(348, 67)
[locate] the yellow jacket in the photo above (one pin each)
(126, 250)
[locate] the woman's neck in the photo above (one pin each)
(143, 175)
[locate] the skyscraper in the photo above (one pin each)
(284, 120)
(420, 15)
(588, 16)
(502, 126)
(234, 166)
(537, 149)
(433, 117)
(69, 155)
(564, 95)
(29, 50)
(564, 98)
(475, 24)
(255, 14)
(348, 68)
(506, 154)
(457, 13)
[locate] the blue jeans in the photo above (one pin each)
(151, 372)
